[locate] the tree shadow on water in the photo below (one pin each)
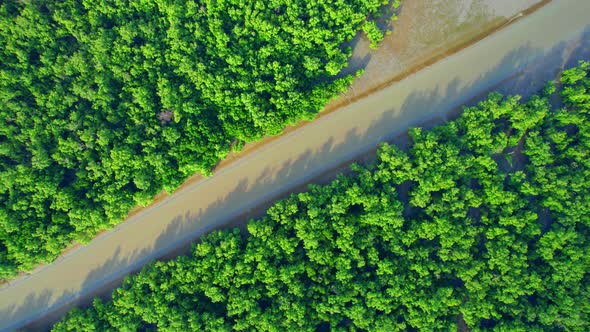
(361, 52)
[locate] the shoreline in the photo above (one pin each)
(222, 166)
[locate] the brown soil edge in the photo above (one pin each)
(254, 146)
(240, 221)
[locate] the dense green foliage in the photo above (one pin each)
(106, 103)
(484, 220)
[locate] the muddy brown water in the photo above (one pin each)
(426, 30)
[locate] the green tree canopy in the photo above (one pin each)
(106, 103)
